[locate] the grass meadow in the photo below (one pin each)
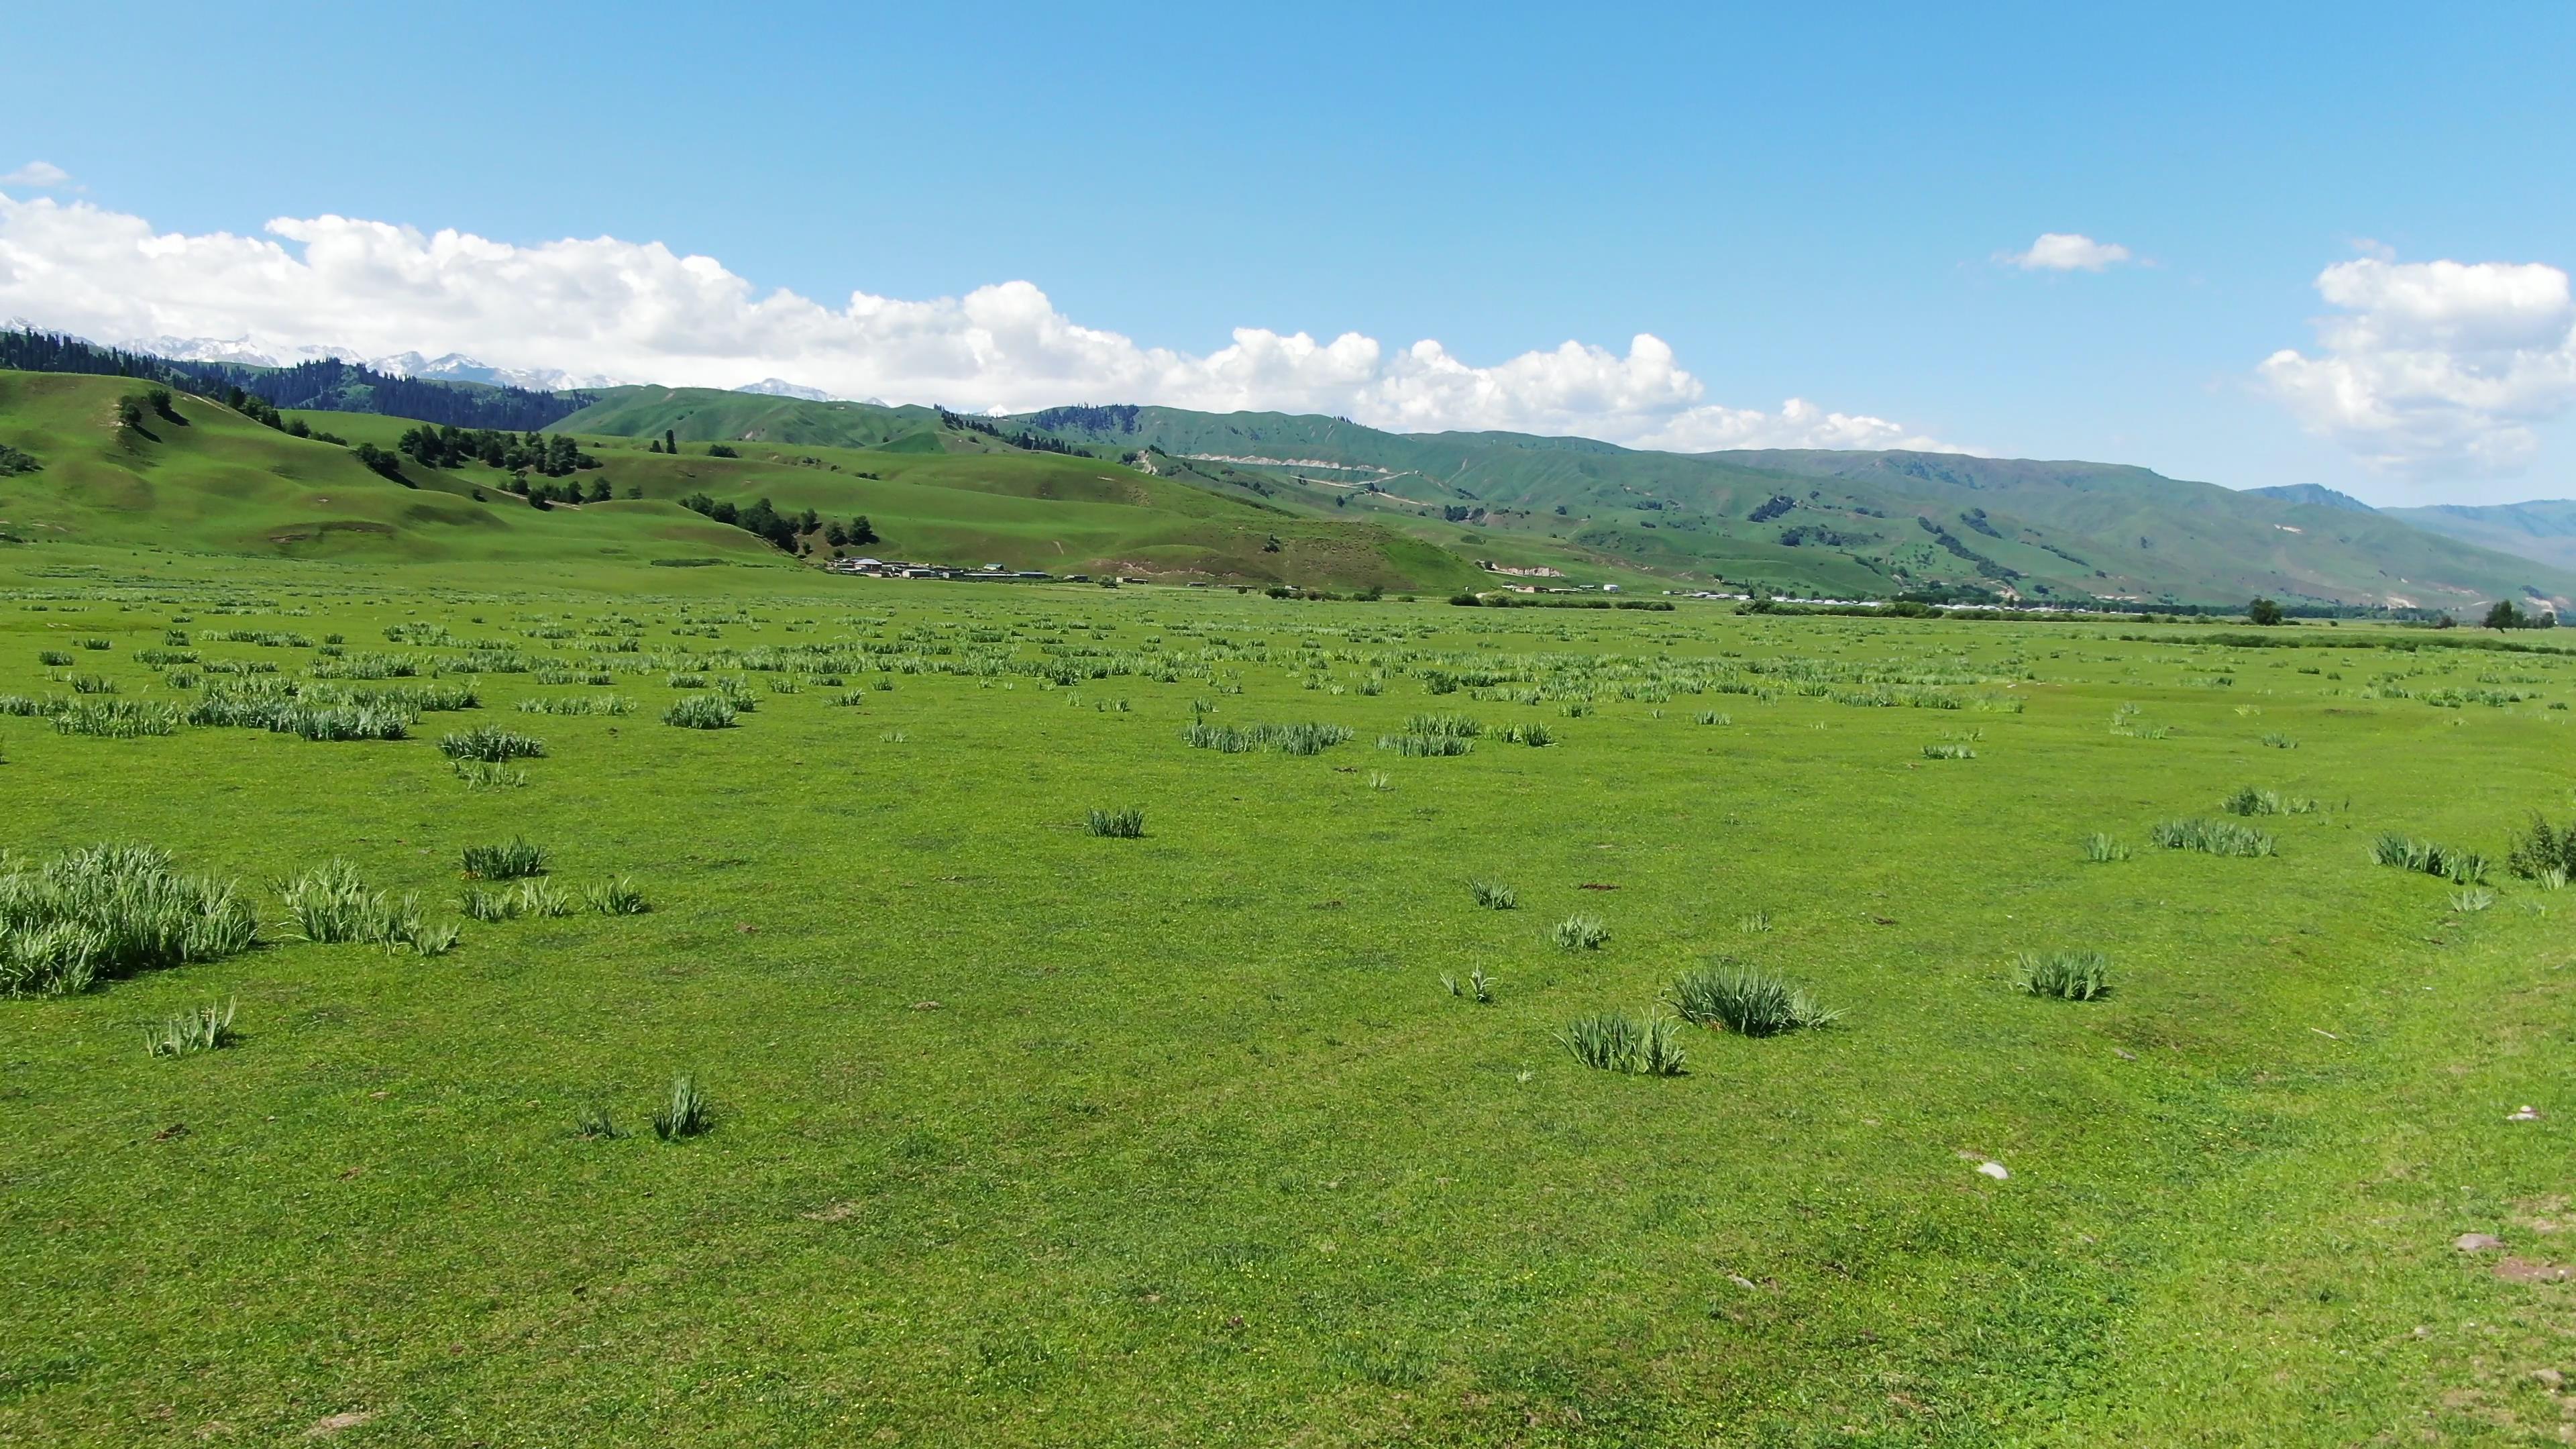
(1259, 1123)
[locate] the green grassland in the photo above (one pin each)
(1028, 1136)
(1853, 522)
(214, 482)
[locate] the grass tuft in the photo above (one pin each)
(1746, 1000)
(619, 896)
(687, 1113)
(2459, 867)
(1494, 896)
(701, 712)
(2210, 837)
(1613, 1041)
(1579, 933)
(206, 1029)
(490, 744)
(2101, 848)
(513, 861)
(2066, 975)
(110, 911)
(1125, 823)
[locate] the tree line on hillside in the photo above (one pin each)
(332, 385)
(784, 531)
(1024, 440)
(329, 385)
(1086, 418)
(555, 455)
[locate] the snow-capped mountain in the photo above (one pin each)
(781, 387)
(454, 367)
(239, 350)
(457, 367)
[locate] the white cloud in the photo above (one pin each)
(2435, 369)
(36, 173)
(2066, 251)
(621, 309)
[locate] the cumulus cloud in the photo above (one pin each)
(2435, 369)
(36, 173)
(640, 311)
(2066, 251)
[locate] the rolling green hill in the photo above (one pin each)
(2543, 530)
(2145, 531)
(211, 480)
(1264, 497)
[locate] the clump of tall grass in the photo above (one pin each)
(2279, 741)
(2212, 837)
(1493, 895)
(1427, 745)
(342, 722)
(53, 659)
(1579, 933)
(618, 896)
(99, 644)
(116, 719)
(543, 898)
(331, 904)
(2541, 848)
(1124, 823)
(488, 905)
(91, 684)
(1380, 780)
(2475, 898)
(687, 1113)
(490, 775)
(595, 1124)
(1288, 739)
(1536, 736)
(1712, 717)
(491, 744)
(510, 861)
(2247, 800)
(1613, 1041)
(2066, 975)
(2101, 848)
(1746, 1000)
(206, 1029)
(1452, 726)
(2459, 867)
(1949, 752)
(109, 911)
(608, 704)
(701, 712)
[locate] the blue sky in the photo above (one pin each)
(1807, 205)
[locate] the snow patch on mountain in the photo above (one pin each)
(781, 387)
(457, 367)
(249, 351)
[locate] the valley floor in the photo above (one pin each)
(1025, 1135)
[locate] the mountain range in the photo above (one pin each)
(1846, 524)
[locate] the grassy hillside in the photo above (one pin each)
(2543, 531)
(701, 415)
(1862, 521)
(214, 481)
(2136, 524)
